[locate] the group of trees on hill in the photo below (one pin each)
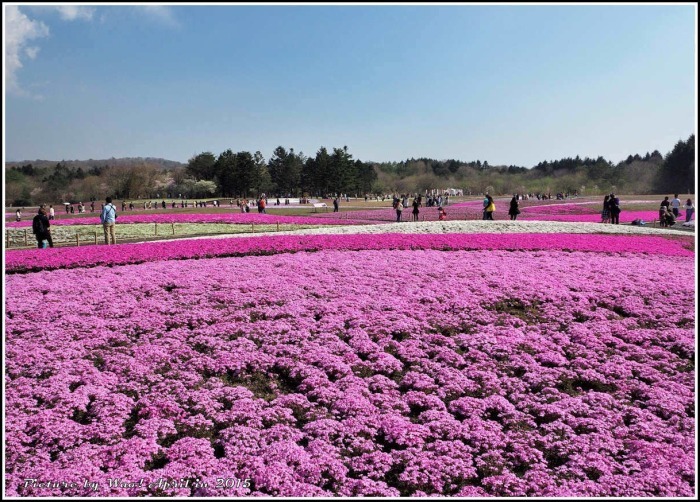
(286, 172)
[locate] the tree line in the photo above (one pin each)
(334, 171)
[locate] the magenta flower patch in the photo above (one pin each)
(87, 256)
(382, 372)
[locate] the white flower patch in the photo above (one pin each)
(474, 227)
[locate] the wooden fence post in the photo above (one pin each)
(25, 238)
(278, 226)
(7, 240)
(252, 227)
(156, 228)
(77, 239)
(95, 238)
(173, 225)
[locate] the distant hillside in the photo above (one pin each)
(87, 164)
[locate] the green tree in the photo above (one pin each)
(247, 172)
(285, 170)
(263, 181)
(202, 166)
(677, 175)
(227, 173)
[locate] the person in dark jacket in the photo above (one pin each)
(514, 211)
(614, 209)
(42, 228)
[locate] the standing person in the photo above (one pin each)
(261, 205)
(689, 210)
(605, 215)
(490, 208)
(486, 204)
(514, 211)
(42, 229)
(18, 215)
(72, 209)
(676, 205)
(92, 206)
(335, 205)
(108, 217)
(52, 213)
(614, 209)
(442, 214)
(131, 206)
(416, 205)
(399, 210)
(67, 208)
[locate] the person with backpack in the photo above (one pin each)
(486, 203)
(490, 208)
(108, 217)
(42, 229)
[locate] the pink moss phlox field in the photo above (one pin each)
(368, 373)
(234, 218)
(27, 260)
(571, 216)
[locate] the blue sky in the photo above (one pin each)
(503, 83)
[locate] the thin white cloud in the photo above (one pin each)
(73, 12)
(65, 12)
(159, 13)
(19, 29)
(31, 52)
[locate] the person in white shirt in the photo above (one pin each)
(52, 213)
(675, 205)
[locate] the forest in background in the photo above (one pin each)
(288, 173)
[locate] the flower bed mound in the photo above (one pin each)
(371, 373)
(32, 260)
